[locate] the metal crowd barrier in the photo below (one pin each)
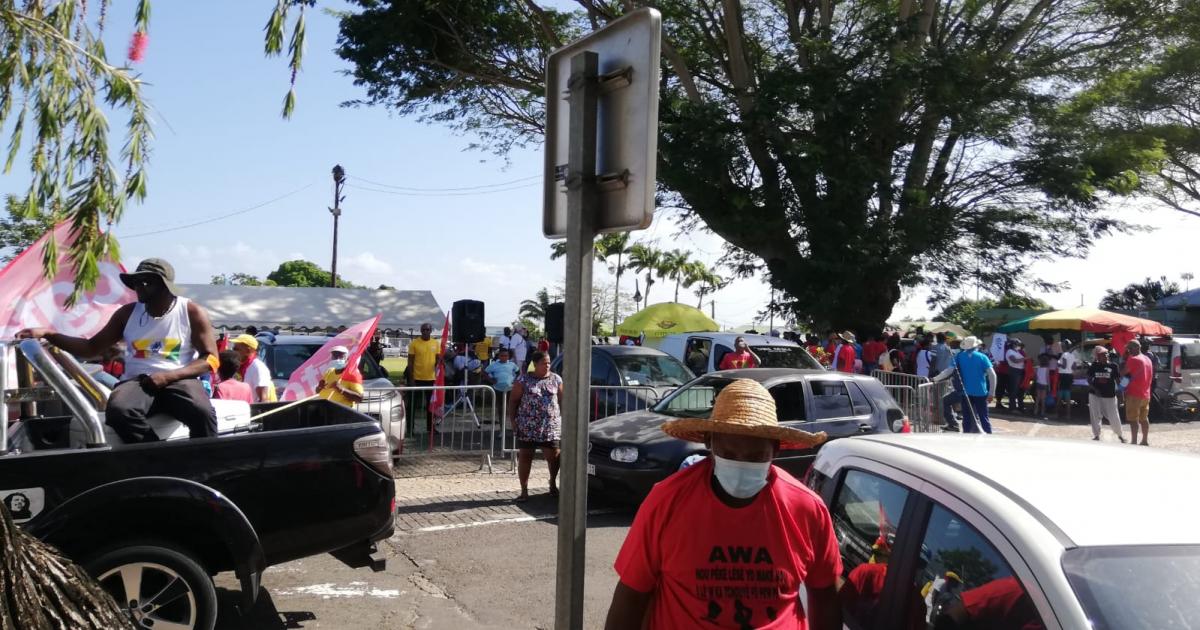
(610, 400)
(929, 406)
(468, 421)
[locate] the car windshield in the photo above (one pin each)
(1190, 353)
(785, 357)
(695, 400)
(1169, 595)
(652, 370)
(285, 358)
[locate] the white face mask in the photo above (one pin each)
(741, 480)
(338, 364)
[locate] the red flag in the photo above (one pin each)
(303, 382)
(439, 395)
(29, 300)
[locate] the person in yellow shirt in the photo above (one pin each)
(483, 349)
(336, 384)
(424, 353)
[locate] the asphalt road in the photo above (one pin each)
(502, 574)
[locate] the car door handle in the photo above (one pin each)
(865, 428)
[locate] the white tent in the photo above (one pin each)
(314, 309)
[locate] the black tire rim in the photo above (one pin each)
(153, 595)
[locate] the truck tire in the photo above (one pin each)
(157, 585)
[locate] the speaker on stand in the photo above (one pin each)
(467, 318)
(555, 326)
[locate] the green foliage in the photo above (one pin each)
(302, 273)
(240, 280)
(535, 309)
(16, 233)
(1138, 295)
(967, 313)
(845, 150)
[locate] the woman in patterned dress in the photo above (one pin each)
(535, 416)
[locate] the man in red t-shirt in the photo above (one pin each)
(741, 357)
(1140, 371)
(762, 534)
(871, 351)
(844, 357)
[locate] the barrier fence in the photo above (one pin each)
(918, 397)
(465, 430)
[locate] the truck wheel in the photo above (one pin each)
(159, 587)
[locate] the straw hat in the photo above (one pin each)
(846, 336)
(744, 407)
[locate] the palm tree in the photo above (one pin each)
(536, 308)
(645, 258)
(608, 246)
(675, 266)
(707, 278)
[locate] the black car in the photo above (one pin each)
(629, 453)
(281, 482)
(628, 378)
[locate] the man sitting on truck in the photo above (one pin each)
(169, 345)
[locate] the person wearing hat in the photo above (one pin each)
(1102, 393)
(844, 355)
(337, 384)
(169, 346)
(703, 535)
(974, 369)
(253, 371)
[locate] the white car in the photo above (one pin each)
(965, 532)
(702, 352)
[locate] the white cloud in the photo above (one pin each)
(367, 263)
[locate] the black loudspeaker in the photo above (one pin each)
(554, 322)
(467, 317)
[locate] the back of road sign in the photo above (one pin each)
(627, 125)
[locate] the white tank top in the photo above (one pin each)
(157, 344)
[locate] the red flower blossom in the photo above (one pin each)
(137, 46)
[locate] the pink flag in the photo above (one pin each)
(303, 382)
(29, 300)
(438, 400)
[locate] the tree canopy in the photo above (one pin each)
(302, 273)
(844, 149)
(1138, 295)
(967, 313)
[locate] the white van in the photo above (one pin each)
(1177, 363)
(702, 351)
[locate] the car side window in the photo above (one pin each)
(963, 582)
(789, 402)
(866, 516)
(858, 400)
(696, 355)
(602, 372)
(831, 399)
(719, 353)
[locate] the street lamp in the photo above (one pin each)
(339, 178)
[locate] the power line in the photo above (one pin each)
(445, 194)
(438, 190)
(221, 217)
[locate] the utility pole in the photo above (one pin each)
(339, 178)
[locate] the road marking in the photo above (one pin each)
(330, 591)
(501, 521)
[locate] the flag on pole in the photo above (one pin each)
(304, 381)
(438, 401)
(30, 300)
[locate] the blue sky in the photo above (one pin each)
(222, 146)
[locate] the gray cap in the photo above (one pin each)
(156, 267)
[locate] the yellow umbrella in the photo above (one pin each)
(667, 318)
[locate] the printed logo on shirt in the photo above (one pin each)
(741, 583)
(150, 348)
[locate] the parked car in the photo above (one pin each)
(627, 378)
(628, 453)
(283, 354)
(1177, 363)
(272, 487)
(956, 531)
(702, 352)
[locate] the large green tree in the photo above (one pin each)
(303, 273)
(1138, 295)
(845, 148)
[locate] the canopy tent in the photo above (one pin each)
(1087, 320)
(313, 309)
(1181, 301)
(667, 318)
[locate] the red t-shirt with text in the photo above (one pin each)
(1141, 374)
(714, 566)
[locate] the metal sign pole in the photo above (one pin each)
(577, 349)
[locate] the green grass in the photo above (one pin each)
(395, 367)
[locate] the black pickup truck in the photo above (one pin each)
(153, 522)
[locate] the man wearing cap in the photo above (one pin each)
(1102, 394)
(974, 369)
(253, 371)
(762, 534)
(169, 345)
(338, 385)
